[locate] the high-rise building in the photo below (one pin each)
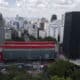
(54, 29)
(1, 29)
(71, 41)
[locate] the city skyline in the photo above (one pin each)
(37, 8)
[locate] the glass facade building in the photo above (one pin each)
(40, 54)
(24, 51)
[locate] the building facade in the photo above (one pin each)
(28, 51)
(55, 28)
(71, 41)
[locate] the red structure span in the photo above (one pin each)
(30, 42)
(37, 45)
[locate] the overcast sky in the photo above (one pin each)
(37, 8)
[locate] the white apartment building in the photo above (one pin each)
(55, 29)
(43, 32)
(33, 30)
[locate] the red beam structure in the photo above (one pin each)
(28, 45)
(29, 42)
(12, 50)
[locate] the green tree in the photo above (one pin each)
(59, 78)
(61, 68)
(76, 75)
(32, 38)
(17, 74)
(49, 39)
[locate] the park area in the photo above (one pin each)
(59, 70)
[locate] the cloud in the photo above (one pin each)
(3, 3)
(39, 7)
(32, 3)
(46, 3)
(77, 6)
(64, 2)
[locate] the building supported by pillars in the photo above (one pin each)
(28, 51)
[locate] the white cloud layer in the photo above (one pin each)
(3, 3)
(39, 7)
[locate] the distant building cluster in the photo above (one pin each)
(39, 27)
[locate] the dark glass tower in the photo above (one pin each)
(71, 40)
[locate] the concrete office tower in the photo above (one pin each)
(2, 31)
(71, 41)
